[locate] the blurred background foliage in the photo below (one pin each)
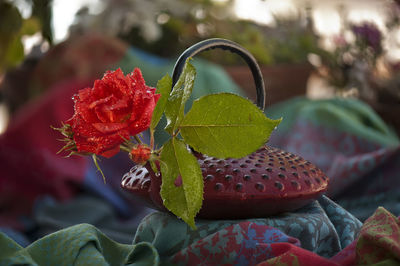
(166, 28)
(13, 28)
(352, 52)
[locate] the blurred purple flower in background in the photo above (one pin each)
(369, 35)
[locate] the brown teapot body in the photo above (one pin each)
(267, 182)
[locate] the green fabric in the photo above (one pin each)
(349, 115)
(50, 216)
(82, 244)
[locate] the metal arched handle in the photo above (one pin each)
(225, 45)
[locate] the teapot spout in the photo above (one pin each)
(138, 182)
(144, 185)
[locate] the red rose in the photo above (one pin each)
(116, 108)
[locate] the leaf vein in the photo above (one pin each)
(216, 125)
(216, 139)
(179, 172)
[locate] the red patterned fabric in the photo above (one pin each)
(289, 254)
(379, 239)
(378, 242)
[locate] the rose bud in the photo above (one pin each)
(140, 154)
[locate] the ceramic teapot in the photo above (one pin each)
(267, 182)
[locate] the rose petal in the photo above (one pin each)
(143, 120)
(101, 145)
(119, 104)
(110, 153)
(107, 128)
(107, 99)
(138, 80)
(81, 107)
(117, 112)
(84, 94)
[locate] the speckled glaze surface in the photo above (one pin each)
(267, 182)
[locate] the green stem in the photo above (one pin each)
(154, 167)
(176, 133)
(138, 140)
(152, 138)
(125, 148)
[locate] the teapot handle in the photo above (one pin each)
(225, 45)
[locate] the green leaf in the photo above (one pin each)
(163, 88)
(10, 20)
(226, 125)
(30, 26)
(186, 199)
(14, 53)
(180, 94)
